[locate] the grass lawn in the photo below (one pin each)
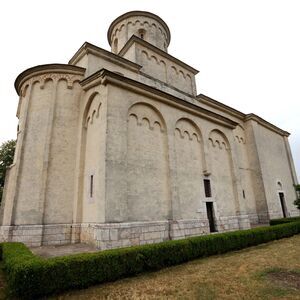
(268, 271)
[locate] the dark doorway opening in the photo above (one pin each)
(210, 216)
(282, 202)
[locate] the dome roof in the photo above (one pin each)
(137, 13)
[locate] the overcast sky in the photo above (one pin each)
(248, 52)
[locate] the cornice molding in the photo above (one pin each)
(266, 124)
(87, 48)
(243, 117)
(104, 77)
(221, 106)
(69, 72)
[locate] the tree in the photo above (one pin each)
(7, 151)
(297, 201)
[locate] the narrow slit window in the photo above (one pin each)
(207, 188)
(115, 46)
(91, 185)
(244, 195)
(142, 33)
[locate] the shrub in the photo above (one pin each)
(30, 276)
(284, 220)
(297, 201)
(7, 151)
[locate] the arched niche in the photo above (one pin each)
(93, 149)
(147, 164)
(189, 155)
(222, 173)
(239, 134)
(245, 172)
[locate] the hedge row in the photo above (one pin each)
(30, 276)
(284, 220)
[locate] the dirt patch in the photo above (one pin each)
(285, 279)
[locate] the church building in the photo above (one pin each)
(118, 149)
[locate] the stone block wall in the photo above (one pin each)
(37, 235)
(31, 235)
(228, 223)
(116, 235)
(253, 218)
(185, 228)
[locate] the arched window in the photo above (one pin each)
(115, 46)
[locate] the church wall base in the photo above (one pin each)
(253, 218)
(295, 213)
(230, 223)
(116, 235)
(37, 235)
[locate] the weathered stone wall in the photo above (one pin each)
(276, 171)
(162, 68)
(29, 203)
(245, 173)
(149, 185)
(147, 165)
(111, 235)
(46, 147)
(220, 153)
(189, 167)
(94, 127)
(37, 235)
(62, 135)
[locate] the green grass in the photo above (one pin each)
(236, 275)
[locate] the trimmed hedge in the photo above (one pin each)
(284, 220)
(30, 276)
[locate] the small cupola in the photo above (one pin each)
(145, 25)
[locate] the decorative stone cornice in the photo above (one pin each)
(266, 124)
(50, 71)
(104, 77)
(135, 39)
(137, 13)
(243, 117)
(87, 48)
(221, 106)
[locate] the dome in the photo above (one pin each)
(145, 25)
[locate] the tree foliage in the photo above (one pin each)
(7, 151)
(297, 201)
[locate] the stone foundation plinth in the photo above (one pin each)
(37, 235)
(31, 235)
(181, 229)
(253, 218)
(116, 235)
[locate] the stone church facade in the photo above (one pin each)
(117, 149)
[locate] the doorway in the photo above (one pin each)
(282, 202)
(210, 216)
